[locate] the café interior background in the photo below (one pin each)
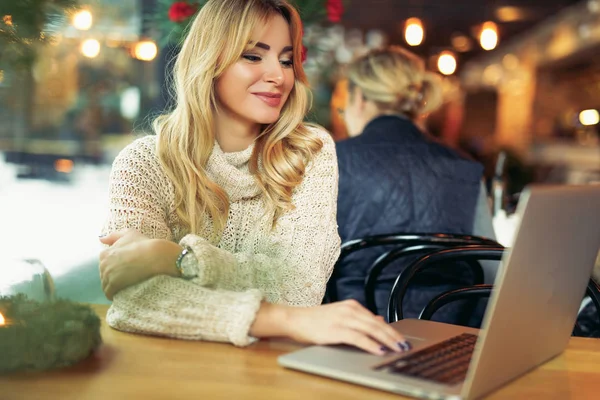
(521, 80)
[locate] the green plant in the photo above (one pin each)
(43, 335)
(27, 24)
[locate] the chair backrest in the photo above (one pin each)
(478, 291)
(410, 250)
(464, 253)
(401, 240)
(588, 320)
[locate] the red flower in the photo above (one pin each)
(181, 10)
(335, 9)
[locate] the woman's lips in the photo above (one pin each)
(272, 99)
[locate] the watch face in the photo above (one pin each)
(189, 265)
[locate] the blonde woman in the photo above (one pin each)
(222, 226)
(394, 177)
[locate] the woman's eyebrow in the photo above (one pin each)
(267, 47)
(262, 45)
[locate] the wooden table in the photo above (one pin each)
(138, 367)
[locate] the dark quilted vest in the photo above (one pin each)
(394, 178)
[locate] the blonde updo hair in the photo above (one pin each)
(217, 38)
(396, 81)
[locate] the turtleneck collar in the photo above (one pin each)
(231, 172)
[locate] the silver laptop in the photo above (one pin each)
(529, 319)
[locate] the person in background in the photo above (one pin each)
(394, 177)
(222, 226)
(338, 103)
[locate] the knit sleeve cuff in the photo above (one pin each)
(212, 261)
(172, 307)
(242, 318)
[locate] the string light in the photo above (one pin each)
(488, 38)
(460, 42)
(414, 32)
(90, 48)
(589, 117)
(145, 50)
(446, 63)
(511, 14)
(83, 20)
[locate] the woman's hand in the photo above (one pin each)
(345, 322)
(133, 258)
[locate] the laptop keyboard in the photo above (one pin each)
(446, 362)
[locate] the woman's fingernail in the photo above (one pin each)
(384, 349)
(101, 236)
(404, 346)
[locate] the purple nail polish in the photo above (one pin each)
(404, 346)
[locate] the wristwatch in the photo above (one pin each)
(187, 264)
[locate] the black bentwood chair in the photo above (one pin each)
(475, 292)
(402, 245)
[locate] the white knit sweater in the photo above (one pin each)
(251, 262)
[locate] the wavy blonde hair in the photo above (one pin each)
(396, 81)
(217, 38)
